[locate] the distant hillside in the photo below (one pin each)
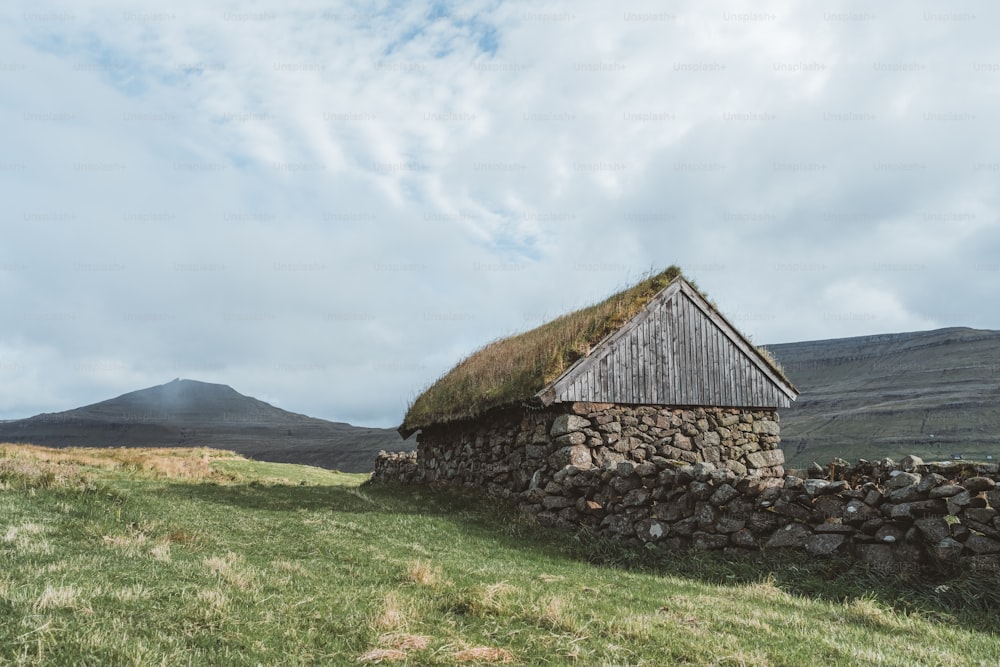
(188, 413)
(931, 393)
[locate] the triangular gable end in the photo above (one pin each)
(677, 351)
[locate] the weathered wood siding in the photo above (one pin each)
(678, 351)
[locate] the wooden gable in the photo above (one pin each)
(677, 351)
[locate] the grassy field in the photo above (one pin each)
(175, 557)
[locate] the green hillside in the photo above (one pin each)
(935, 394)
(139, 557)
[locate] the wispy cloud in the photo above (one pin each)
(329, 206)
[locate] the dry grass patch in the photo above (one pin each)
(131, 544)
(161, 552)
(423, 574)
(394, 647)
(404, 642)
(484, 654)
(380, 655)
(58, 597)
(25, 474)
(290, 567)
(57, 466)
(212, 599)
(132, 593)
(393, 615)
(230, 570)
(28, 538)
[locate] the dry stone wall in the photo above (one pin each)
(710, 479)
(515, 451)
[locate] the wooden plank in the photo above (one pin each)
(674, 368)
(603, 377)
(656, 347)
(716, 365)
(646, 353)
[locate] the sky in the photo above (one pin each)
(326, 205)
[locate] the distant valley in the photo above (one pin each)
(935, 394)
(188, 413)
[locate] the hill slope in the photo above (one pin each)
(135, 557)
(930, 393)
(188, 413)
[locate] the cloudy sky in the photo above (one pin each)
(326, 205)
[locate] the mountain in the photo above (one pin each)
(935, 394)
(188, 413)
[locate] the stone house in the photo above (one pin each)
(651, 374)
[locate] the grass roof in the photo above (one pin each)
(514, 369)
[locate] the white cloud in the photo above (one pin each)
(329, 206)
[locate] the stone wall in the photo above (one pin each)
(710, 479)
(512, 451)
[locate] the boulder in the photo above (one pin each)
(570, 439)
(636, 497)
(905, 494)
(825, 544)
(577, 455)
(947, 549)
(723, 495)
(766, 459)
(651, 530)
(814, 487)
(557, 502)
(565, 424)
(793, 535)
(702, 540)
(980, 544)
(901, 479)
(978, 484)
(934, 528)
(945, 491)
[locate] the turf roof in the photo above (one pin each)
(514, 369)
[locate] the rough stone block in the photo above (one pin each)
(948, 549)
(901, 479)
(766, 427)
(557, 502)
(765, 459)
(570, 439)
(723, 495)
(564, 424)
(934, 528)
(729, 524)
(709, 541)
(978, 484)
(906, 494)
(636, 498)
(743, 538)
(825, 544)
(979, 544)
(651, 530)
(578, 455)
(945, 491)
(793, 535)
(682, 442)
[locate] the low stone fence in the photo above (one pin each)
(891, 515)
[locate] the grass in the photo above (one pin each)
(122, 558)
(515, 368)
